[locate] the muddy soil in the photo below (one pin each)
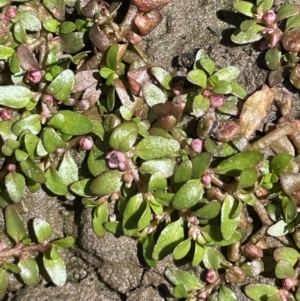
(111, 268)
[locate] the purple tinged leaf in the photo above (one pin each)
(26, 58)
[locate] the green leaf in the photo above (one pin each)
(56, 7)
(14, 225)
(124, 136)
(222, 87)
(165, 166)
(177, 277)
(209, 210)
(284, 270)
(96, 161)
(134, 211)
(72, 42)
(248, 177)
(182, 249)
(68, 169)
(230, 216)
(54, 182)
(61, 87)
(82, 187)
(6, 52)
(288, 254)
(16, 97)
(153, 95)
(200, 164)
(200, 105)
(51, 140)
(272, 58)
(55, 267)
(228, 74)
(246, 25)
(280, 162)
(15, 185)
(260, 292)
(198, 254)
(287, 10)
(42, 229)
(51, 25)
(180, 291)
(100, 216)
(31, 143)
(252, 35)
(238, 90)
(66, 27)
(68, 121)
(168, 239)
(289, 207)
(107, 182)
(226, 294)
(208, 65)
(218, 149)
(183, 172)
(106, 72)
(197, 77)
(188, 195)
(236, 163)
(211, 259)
(265, 5)
(156, 147)
(163, 77)
(29, 271)
(64, 243)
(148, 244)
(31, 123)
(3, 283)
(246, 8)
(21, 155)
(278, 229)
(292, 22)
(112, 56)
(29, 20)
(157, 181)
(19, 32)
(214, 237)
(32, 171)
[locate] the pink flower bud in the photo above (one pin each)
(274, 38)
(47, 98)
(34, 75)
(128, 178)
(206, 179)
(117, 159)
(177, 88)
(206, 93)
(59, 150)
(197, 145)
(11, 12)
(216, 100)
(202, 295)
(6, 115)
(193, 220)
(86, 143)
(11, 167)
(211, 276)
(269, 17)
(289, 283)
(283, 294)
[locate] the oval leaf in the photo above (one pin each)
(29, 271)
(107, 182)
(42, 229)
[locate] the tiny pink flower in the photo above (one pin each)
(11, 12)
(177, 88)
(206, 179)
(269, 17)
(206, 93)
(6, 115)
(216, 100)
(193, 220)
(197, 145)
(86, 143)
(47, 98)
(289, 283)
(283, 294)
(202, 295)
(11, 167)
(117, 159)
(34, 75)
(211, 276)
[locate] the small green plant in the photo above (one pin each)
(280, 32)
(19, 252)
